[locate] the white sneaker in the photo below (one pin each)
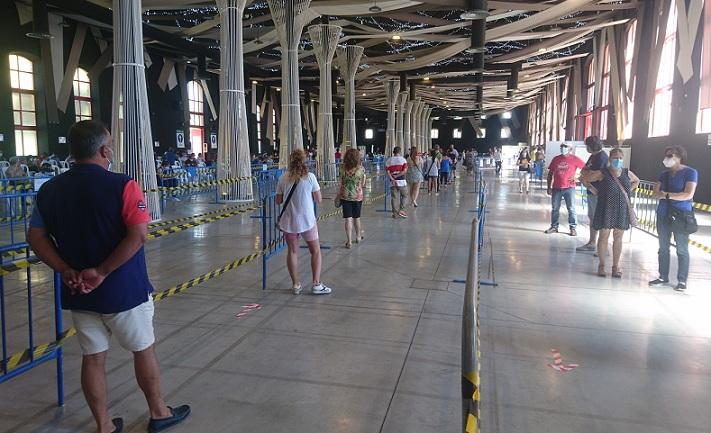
(296, 289)
(320, 289)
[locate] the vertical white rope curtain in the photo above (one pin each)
(392, 88)
(325, 39)
(416, 107)
(421, 125)
(348, 59)
(289, 17)
(423, 131)
(233, 158)
(406, 124)
(130, 117)
(430, 120)
(399, 125)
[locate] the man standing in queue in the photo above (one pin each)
(90, 224)
(561, 186)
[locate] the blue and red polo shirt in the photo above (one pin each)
(86, 211)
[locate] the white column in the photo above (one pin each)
(233, 134)
(399, 124)
(416, 109)
(130, 117)
(407, 124)
(348, 59)
(289, 19)
(325, 39)
(392, 87)
(428, 133)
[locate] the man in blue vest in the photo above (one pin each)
(90, 224)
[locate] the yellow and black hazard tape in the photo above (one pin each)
(17, 265)
(200, 184)
(15, 218)
(702, 207)
(653, 227)
(197, 222)
(18, 187)
(193, 217)
(15, 253)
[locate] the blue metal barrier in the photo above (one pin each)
(272, 238)
(18, 201)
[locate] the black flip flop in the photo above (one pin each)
(118, 423)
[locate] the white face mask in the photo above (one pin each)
(669, 162)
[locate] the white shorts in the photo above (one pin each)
(133, 329)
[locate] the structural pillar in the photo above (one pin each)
(392, 88)
(407, 123)
(289, 19)
(399, 124)
(325, 39)
(130, 117)
(348, 59)
(233, 159)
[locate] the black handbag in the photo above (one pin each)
(679, 220)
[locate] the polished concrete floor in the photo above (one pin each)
(382, 353)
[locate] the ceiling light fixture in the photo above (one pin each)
(375, 8)
(476, 10)
(426, 79)
(397, 37)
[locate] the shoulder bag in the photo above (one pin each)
(286, 203)
(630, 209)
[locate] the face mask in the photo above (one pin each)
(669, 162)
(616, 163)
(563, 150)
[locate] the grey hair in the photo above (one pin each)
(86, 138)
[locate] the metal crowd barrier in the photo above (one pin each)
(17, 198)
(471, 355)
(272, 238)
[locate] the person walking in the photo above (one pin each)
(597, 161)
(89, 225)
(414, 176)
(612, 186)
(445, 168)
(561, 186)
(396, 169)
(675, 214)
(297, 190)
(496, 154)
(454, 157)
(524, 171)
(351, 194)
(432, 173)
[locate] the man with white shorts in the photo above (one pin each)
(90, 224)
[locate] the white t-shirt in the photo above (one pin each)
(299, 215)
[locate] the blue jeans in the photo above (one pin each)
(569, 195)
(538, 169)
(664, 232)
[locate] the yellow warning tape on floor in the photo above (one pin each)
(192, 217)
(197, 222)
(15, 360)
(199, 184)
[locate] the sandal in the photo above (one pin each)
(347, 245)
(601, 271)
(616, 273)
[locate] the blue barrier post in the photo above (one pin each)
(386, 185)
(58, 329)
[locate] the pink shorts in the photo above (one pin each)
(309, 235)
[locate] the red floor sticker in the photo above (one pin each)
(246, 309)
(558, 362)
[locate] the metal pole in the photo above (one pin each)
(58, 332)
(470, 344)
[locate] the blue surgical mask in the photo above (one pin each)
(616, 163)
(563, 150)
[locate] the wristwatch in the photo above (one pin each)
(667, 196)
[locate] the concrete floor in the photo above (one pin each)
(382, 353)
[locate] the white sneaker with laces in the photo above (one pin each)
(296, 289)
(320, 289)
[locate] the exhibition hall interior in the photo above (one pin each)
(355, 216)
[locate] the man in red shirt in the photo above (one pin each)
(561, 185)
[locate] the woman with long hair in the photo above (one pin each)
(351, 193)
(414, 175)
(524, 170)
(298, 189)
(432, 173)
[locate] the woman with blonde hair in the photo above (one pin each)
(298, 189)
(414, 175)
(351, 193)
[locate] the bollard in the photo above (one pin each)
(470, 343)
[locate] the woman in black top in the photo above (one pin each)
(524, 171)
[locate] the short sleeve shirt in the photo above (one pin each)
(396, 164)
(352, 185)
(676, 183)
(299, 215)
(597, 161)
(563, 168)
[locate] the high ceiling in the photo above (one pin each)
(426, 40)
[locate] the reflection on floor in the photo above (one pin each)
(382, 353)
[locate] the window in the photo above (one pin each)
(434, 133)
(659, 119)
(259, 130)
(82, 95)
(196, 108)
(505, 132)
(585, 120)
(629, 55)
(369, 134)
(457, 133)
(24, 111)
(703, 120)
(601, 118)
(482, 132)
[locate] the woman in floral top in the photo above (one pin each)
(351, 193)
